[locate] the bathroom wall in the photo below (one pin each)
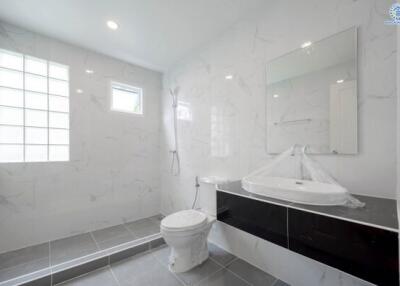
(398, 127)
(113, 173)
(227, 136)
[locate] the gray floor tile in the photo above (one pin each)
(40, 277)
(65, 249)
(118, 240)
(157, 242)
(79, 269)
(144, 227)
(251, 274)
(157, 218)
(24, 261)
(128, 252)
(143, 269)
(280, 283)
(162, 254)
(101, 277)
(219, 255)
(222, 278)
(43, 281)
(112, 236)
(200, 272)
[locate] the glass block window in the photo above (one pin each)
(126, 98)
(34, 109)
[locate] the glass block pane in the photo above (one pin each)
(11, 153)
(11, 134)
(58, 103)
(59, 136)
(35, 153)
(10, 115)
(126, 100)
(58, 87)
(9, 78)
(35, 118)
(11, 60)
(11, 97)
(35, 100)
(59, 120)
(36, 66)
(35, 135)
(35, 83)
(58, 153)
(58, 71)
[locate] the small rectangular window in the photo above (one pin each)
(125, 98)
(34, 109)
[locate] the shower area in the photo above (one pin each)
(79, 171)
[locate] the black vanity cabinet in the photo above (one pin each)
(367, 252)
(363, 251)
(262, 219)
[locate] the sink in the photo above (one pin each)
(297, 191)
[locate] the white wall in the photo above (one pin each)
(239, 105)
(398, 129)
(113, 175)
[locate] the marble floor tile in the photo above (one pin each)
(112, 236)
(251, 274)
(24, 261)
(69, 248)
(143, 269)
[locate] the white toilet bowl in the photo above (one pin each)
(186, 233)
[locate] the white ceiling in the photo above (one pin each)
(152, 33)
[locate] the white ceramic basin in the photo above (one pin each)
(298, 191)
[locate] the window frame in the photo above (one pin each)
(25, 92)
(129, 87)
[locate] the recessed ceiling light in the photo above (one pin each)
(89, 71)
(276, 95)
(112, 25)
(229, 76)
(306, 44)
(79, 90)
(340, 81)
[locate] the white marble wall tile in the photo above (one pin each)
(113, 175)
(243, 51)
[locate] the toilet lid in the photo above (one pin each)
(183, 220)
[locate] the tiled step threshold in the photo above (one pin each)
(58, 273)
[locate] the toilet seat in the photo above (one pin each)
(184, 220)
(186, 233)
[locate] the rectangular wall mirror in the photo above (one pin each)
(312, 97)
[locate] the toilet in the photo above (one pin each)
(186, 233)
